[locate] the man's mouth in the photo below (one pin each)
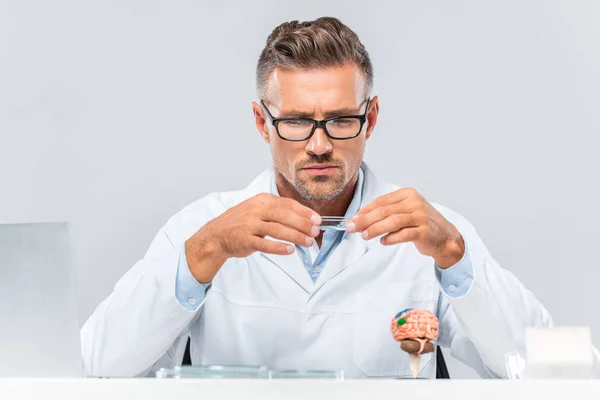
(320, 169)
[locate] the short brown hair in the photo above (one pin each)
(325, 42)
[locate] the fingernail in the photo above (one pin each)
(365, 234)
(315, 231)
(350, 226)
(309, 241)
(290, 249)
(315, 219)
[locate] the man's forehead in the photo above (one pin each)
(304, 89)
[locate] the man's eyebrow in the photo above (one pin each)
(329, 114)
(295, 114)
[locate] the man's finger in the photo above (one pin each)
(402, 236)
(291, 219)
(361, 222)
(270, 201)
(387, 199)
(299, 209)
(271, 247)
(285, 233)
(393, 223)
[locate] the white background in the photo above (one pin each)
(116, 114)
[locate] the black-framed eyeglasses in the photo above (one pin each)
(301, 129)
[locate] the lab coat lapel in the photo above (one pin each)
(292, 265)
(348, 252)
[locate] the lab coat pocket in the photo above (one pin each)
(376, 353)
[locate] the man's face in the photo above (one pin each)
(321, 167)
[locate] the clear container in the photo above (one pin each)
(333, 223)
(515, 363)
(214, 372)
(306, 374)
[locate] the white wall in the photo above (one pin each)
(116, 114)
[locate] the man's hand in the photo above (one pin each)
(241, 231)
(405, 216)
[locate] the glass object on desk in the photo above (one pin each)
(515, 363)
(214, 372)
(306, 374)
(333, 223)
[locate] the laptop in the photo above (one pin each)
(39, 316)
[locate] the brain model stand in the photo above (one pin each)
(415, 329)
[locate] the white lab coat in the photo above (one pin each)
(265, 309)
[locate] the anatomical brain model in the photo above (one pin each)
(415, 329)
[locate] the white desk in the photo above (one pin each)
(150, 389)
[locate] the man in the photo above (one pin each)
(250, 277)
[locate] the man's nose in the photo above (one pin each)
(319, 143)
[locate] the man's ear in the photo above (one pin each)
(261, 121)
(372, 115)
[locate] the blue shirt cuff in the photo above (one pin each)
(456, 280)
(188, 291)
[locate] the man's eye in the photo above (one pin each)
(296, 123)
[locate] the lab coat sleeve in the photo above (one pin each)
(489, 321)
(140, 326)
